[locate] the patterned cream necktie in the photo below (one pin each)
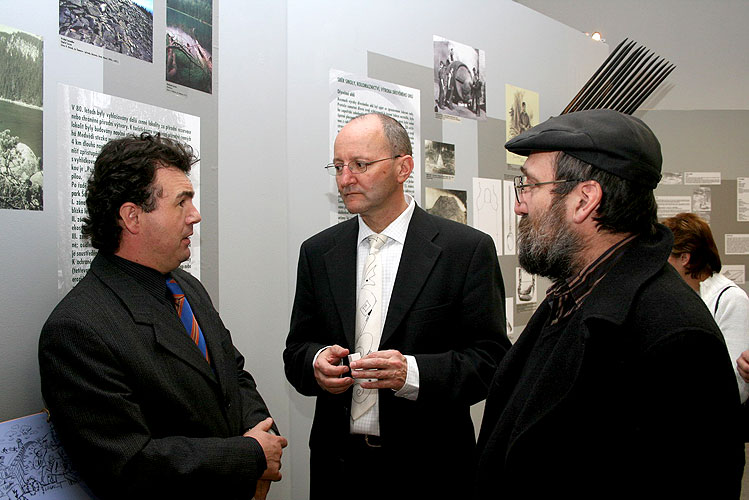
(368, 320)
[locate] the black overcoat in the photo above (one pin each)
(637, 400)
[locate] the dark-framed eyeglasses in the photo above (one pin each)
(520, 185)
(356, 166)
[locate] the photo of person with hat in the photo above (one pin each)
(620, 386)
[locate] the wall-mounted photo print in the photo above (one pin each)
(672, 178)
(522, 114)
(459, 81)
(447, 203)
(122, 26)
(526, 287)
(701, 199)
(21, 174)
(439, 160)
(189, 43)
(487, 209)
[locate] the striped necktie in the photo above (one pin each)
(184, 311)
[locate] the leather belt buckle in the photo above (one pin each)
(373, 441)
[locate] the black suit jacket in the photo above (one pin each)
(446, 309)
(636, 400)
(136, 405)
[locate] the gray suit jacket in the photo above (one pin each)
(136, 406)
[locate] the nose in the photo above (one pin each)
(194, 216)
(346, 178)
(520, 208)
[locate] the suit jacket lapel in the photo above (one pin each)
(340, 264)
(417, 260)
(144, 309)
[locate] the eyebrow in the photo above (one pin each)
(185, 194)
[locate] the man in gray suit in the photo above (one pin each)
(144, 385)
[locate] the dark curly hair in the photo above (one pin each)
(124, 172)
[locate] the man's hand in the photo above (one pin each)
(261, 490)
(388, 367)
(272, 447)
(328, 371)
(743, 365)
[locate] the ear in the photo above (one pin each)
(405, 167)
(588, 199)
(129, 217)
(684, 258)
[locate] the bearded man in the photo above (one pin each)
(621, 385)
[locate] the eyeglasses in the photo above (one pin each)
(519, 186)
(355, 167)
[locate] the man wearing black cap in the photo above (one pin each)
(621, 385)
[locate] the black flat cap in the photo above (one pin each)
(612, 141)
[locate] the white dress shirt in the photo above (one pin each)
(390, 256)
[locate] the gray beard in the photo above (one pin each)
(549, 247)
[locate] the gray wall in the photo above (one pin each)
(706, 141)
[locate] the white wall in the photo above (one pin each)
(28, 239)
(253, 198)
(273, 141)
(706, 39)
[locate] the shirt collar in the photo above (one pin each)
(567, 296)
(151, 279)
(397, 229)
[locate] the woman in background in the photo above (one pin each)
(696, 258)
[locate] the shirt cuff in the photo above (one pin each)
(317, 354)
(410, 389)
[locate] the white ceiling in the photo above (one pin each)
(708, 40)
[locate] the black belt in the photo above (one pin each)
(368, 440)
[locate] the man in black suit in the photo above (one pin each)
(144, 409)
(442, 331)
(620, 386)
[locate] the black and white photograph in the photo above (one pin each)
(672, 178)
(21, 175)
(448, 203)
(527, 292)
(122, 26)
(189, 43)
(439, 160)
(459, 82)
(522, 114)
(701, 199)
